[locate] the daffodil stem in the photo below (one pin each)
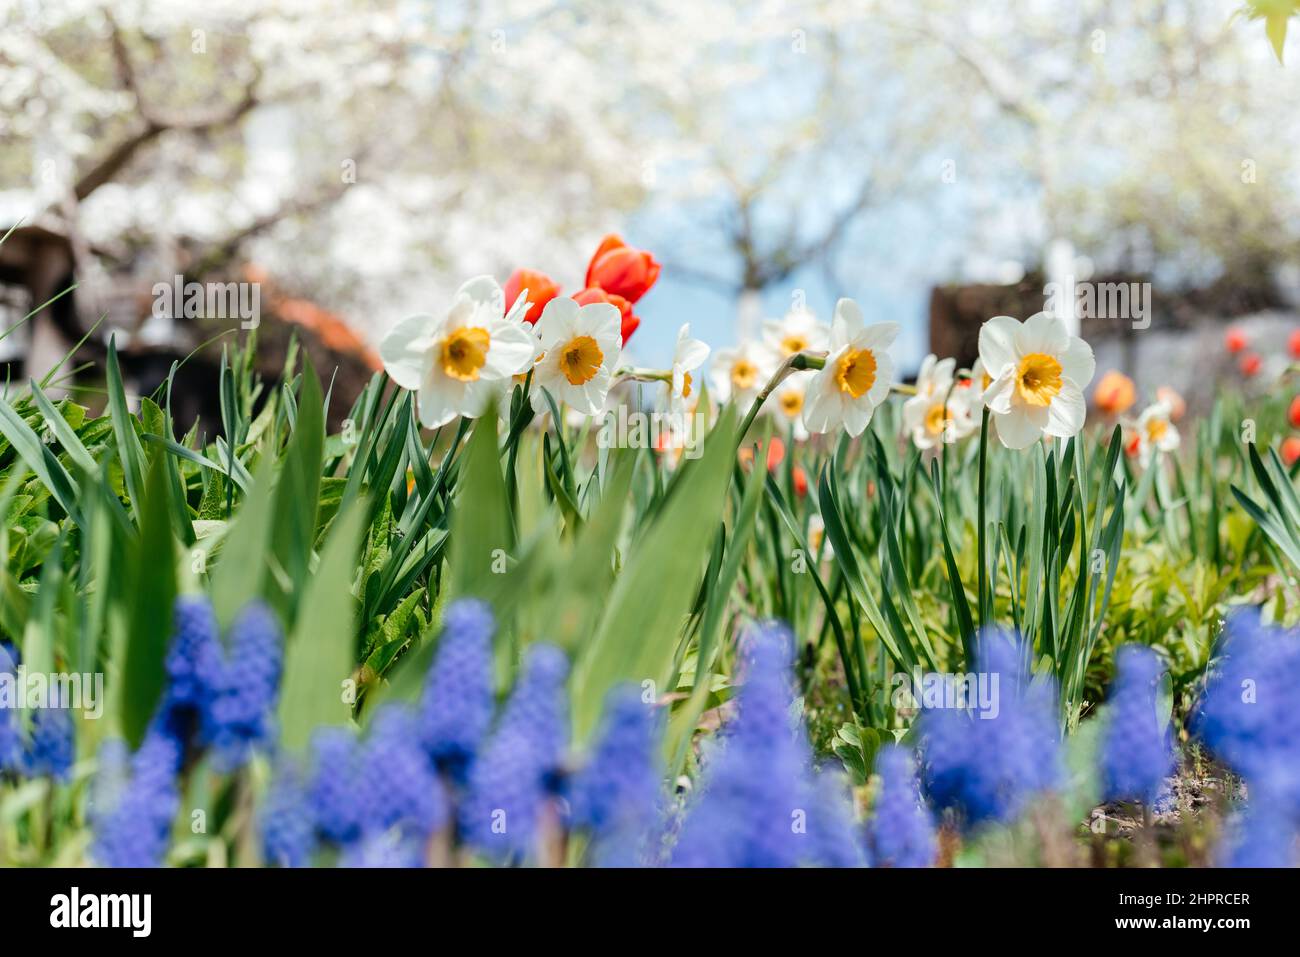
(797, 362)
(983, 581)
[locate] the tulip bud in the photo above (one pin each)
(621, 270)
(541, 290)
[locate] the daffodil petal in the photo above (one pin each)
(1017, 429)
(1067, 411)
(405, 350)
(1042, 332)
(997, 344)
(1078, 363)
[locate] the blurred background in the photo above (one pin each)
(354, 160)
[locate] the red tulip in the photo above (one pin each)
(1250, 364)
(1290, 449)
(1293, 344)
(775, 454)
(621, 270)
(1293, 413)
(800, 482)
(541, 290)
(596, 294)
(1234, 340)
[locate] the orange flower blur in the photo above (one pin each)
(1115, 393)
(541, 290)
(1250, 364)
(1290, 449)
(1234, 340)
(1175, 402)
(1293, 413)
(621, 270)
(800, 482)
(775, 454)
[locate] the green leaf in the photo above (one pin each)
(321, 649)
(128, 443)
(242, 566)
(640, 629)
(293, 529)
(152, 595)
(481, 535)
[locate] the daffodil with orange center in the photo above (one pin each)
(688, 355)
(1155, 432)
(798, 332)
(738, 373)
(456, 363)
(1038, 372)
(580, 347)
(857, 374)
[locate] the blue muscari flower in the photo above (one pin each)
(332, 793)
(1260, 836)
(989, 765)
(288, 835)
(456, 709)
(835, 835)
(135, 829)
(1247, 716)
(754, 792)
(11, 741)
(245, 687)
(386, 849)
(1136, 752)
(901, 831)
(519, 772)
(193, 662)
(51, 745)
(398, 789)
(617, 795)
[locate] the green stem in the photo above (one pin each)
(983, 584)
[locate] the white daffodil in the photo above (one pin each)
(818, 544)
(978, 382)
(1039, 372)
(789, 397)
(688, 356)
(739, 372)
(857, 375)
(456, 363)
(935, 376)
(1156, 432)
(939, 417)
(580, 346)
(799, 331)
